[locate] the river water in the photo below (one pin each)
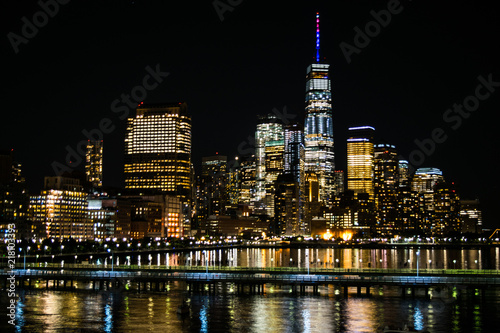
(277, 310)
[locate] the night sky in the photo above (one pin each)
(64, 79)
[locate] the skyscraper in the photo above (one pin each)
(471, 217)
(158, 150)
(318, 127)
(403, 173)
(294, 149)
(214, 178)
(93, 164)
(424, 182)
(269, 129)
(385, 187)
(360, 160)
(446, 215)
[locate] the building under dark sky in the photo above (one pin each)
(73, 72)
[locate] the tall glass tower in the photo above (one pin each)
(318, 128)
(269, 132)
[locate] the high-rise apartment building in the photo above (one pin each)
(446, 215)
(93, 163)
(360, 165)
(158, 150)
(424, 182)
(385, 187)
(214, 179)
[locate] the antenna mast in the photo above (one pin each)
(317, 37)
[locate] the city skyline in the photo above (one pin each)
(361, 88)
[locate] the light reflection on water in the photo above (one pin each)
(325, 257)
(277, 311)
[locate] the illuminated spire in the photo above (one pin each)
(317, 37)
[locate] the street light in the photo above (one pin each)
(454, 262)
(112, 260)
(418, 253)
(307, 260)
(24, 257)
(206, 260)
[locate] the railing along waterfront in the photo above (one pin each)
(277, 270)
(259, 277)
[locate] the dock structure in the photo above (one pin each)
(247, 282)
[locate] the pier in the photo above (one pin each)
(251, 280)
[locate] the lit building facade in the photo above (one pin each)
(424, 182)
(101, 213)
(294, 151)
(146, 219)
(269, 128)
(404, 176)
(318, 125)
(214, 178)
(471, 216)
(93, 163)
(274, 167)
(339, 181)
(318, 129)
(385, 187)
(425, 179)
(360, 164)
(158, 150)
(60, 211)
(246, 180)
(446, 215)
(14, 198)
(287, 207)
(409, 210)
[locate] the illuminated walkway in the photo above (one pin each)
(255, 279)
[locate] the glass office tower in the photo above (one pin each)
(158, 150)
(360, 160)
(318, 125)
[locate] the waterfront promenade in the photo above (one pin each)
(250, 279)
